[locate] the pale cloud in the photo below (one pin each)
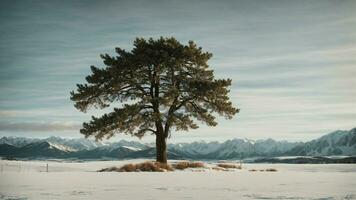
(39, 126)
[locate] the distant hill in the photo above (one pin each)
(338, 143)
(335, 143)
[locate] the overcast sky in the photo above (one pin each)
(293, 63)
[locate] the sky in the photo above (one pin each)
(292, 63)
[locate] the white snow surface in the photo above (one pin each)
(79, 180)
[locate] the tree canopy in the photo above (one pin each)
(161, 85)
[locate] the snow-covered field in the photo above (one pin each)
(79, 180)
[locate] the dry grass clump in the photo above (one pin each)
(216, 168)
(109, 169)
(141, 167)
(228, 165)
(185, 164)
(129, 168)
(271, 170)
(263, 170)
(146, 167)
(150, 166)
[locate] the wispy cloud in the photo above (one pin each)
(39, 126)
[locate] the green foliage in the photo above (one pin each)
(167, 85)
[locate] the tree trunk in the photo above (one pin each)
(161, 148)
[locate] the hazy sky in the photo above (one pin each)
(293, 63)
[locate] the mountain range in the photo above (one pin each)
(338, 143)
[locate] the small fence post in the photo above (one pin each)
(47, 167)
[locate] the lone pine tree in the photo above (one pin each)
(161, 85)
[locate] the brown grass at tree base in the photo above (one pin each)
(148, 166)
(185, 164)
(151, 166)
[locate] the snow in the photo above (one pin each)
(132, 148)
(60, 147)
(79, 180)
